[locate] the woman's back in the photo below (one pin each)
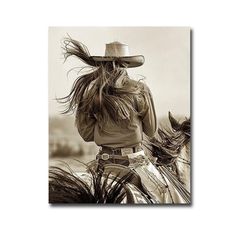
(126, 132)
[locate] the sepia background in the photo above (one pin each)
(166, 71)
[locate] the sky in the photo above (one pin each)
(166, 68)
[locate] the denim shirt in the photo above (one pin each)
(113, 135)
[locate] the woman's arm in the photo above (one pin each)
(147, 112)
(85, 124)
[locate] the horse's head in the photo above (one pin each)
(170, 142)
(183, 127)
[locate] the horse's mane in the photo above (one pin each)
(66, 187)
(169, 141)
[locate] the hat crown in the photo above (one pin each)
(116, 49)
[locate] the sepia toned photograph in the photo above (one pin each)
(119, 115)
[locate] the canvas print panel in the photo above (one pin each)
(119, 115)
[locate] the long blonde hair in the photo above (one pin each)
(96, 93)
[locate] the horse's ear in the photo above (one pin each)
(174, 123)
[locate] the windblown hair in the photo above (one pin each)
(96, 93)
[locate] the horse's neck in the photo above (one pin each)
(185, 153)
(183, 164)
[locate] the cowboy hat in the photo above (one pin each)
(117, 51)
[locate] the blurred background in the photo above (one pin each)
(166, 71)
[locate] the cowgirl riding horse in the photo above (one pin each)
(114, 111)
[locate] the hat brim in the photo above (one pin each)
(131, 61)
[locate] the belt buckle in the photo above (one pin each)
(105, 156)
(126, 151)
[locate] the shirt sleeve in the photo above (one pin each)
(147, 112)
(85, 124)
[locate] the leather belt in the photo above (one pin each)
(116, 159)
(126, 154)
(120, 151)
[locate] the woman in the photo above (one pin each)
(114, 111)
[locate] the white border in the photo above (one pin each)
(24, 115)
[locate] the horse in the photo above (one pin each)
(169, 151)
(172, 149)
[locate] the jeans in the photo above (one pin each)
(152, 181)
